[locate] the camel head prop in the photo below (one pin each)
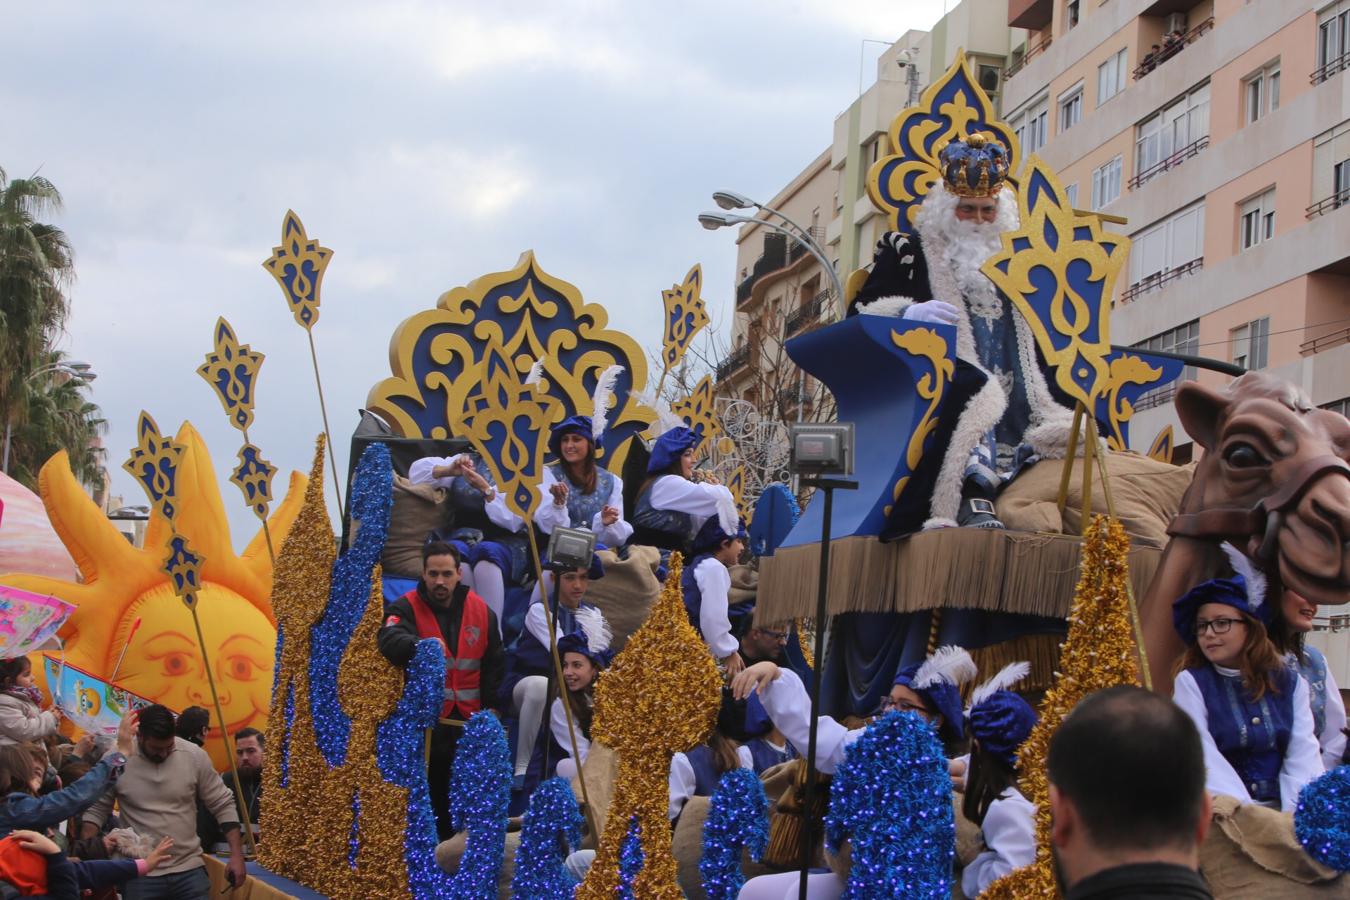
(1274, 481)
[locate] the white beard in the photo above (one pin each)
(964, 246)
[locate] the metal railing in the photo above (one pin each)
(806, 313)
(1329, 68)
(1032, 53)
(734, 360)
(1171, 162)
(1335, 201)
(1325, 342)
(796, 250)
(1167, 51)
(1157, 280)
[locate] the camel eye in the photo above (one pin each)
(1244, 456)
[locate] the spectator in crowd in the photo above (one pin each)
(193, 724)
(157, 795)
(21, 715)
(248, 759)
(1136, 833)
(31, 865)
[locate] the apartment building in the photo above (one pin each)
(1220, 131)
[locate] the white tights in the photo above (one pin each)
(528, 697)
(489, 584)
(784, 886)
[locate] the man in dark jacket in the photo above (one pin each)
(1128, 803)
(442, 608)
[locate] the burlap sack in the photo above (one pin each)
(449, 853)
(1251, 853)
(600, 770)
(1147, 494)
(744, 585)
(626, 594)
(687, 846)
(418, 510)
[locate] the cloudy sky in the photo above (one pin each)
(426, 143)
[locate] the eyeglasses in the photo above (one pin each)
(1218, 626)
(888, 704)
(773, 635)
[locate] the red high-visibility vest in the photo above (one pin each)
(463, 696)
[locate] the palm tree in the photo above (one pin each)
(57, 415)
(36, 267)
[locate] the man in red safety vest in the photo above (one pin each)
(442, 608)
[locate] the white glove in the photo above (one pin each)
(932, 311)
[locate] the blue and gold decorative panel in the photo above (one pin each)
(437, 356)
(934, 359)
(1058, 269)
(231, 368)
(951, 107)
(154, 464)
(1162, 446)
(253, 477)
(699, 412)
(685, 316)
(183, 566)
(298, 264)
(1132, 375)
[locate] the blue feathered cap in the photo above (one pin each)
(711, 535)
(669, 447)
(938, 680)
(573, 425)
(575, 642)
(999, 719)
(590, 638)
(1245, 592)
(974, 167)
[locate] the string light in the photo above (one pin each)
(891, 798)
(1322, 819)
(738, 818)
(480, 792)
(552, 821)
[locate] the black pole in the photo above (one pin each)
(548, 693)
(822, 585)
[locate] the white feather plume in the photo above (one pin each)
(727, 515)
(665, 419)
(604, 390)
(1006, 678)
(1255, 578)
(592, 623)
(536, 371)
(951, 664)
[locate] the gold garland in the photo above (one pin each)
(1098, 653)
(660, 697)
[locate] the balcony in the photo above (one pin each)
(1325, 342)
(1335, 201)
(1032, 15)
(1172, 48)
(774, 257)
(734, 360)
(805, 314)
(1171, 162)
(1158, 280)
(797, 249)
(1031, 53)
(1329, 68)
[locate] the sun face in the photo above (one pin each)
(122, 584)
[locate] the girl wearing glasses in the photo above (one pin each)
(1252, 710)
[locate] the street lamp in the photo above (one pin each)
(714, 220)
(71, 368)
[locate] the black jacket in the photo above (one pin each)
(398, 638)
(1142, 881)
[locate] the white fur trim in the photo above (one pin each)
(937, 522)
(894, 306)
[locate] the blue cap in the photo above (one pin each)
(943, 696)
(711, 535)
(573, 425)
(669, 447)
(577, 642)
(1001, 723)
(1228, 591)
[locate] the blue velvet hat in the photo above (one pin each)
(974, 167)
(669, 447)
(711, 535)
(938, 680)
(590, 638)
(573, 425)
(999, 719)
(757, 721)
(1245, 592)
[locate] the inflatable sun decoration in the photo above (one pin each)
(120, 583)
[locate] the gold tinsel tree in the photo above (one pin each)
(660, 697)
(1099, 652)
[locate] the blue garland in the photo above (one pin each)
(289, 716)
(368, 504)
(631, 859)
(552, 822)
(738, 816)
(892, 797)
(480, 793)
(1322, 819)
(399, 743)
(354, 835)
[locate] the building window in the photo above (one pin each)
(1182, 339)
(1070, 14)
(1111, 77)
(1261, 92)
(1161, 139)
(1071, 194)
(1166, 250)
(1251, 344)
(1256, 221)
(1341, 406)
(1106, 183)
(1341, 179)
(1032, 127)
(1333, 38)
(1071, 107)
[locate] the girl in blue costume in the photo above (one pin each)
(576, 492)
(998, 721)
(1288, 633)
(1252, 710)
(530, 664)
(766, 746)
(706, 583)
(671, 507)
(490, 538)
(930, 689)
